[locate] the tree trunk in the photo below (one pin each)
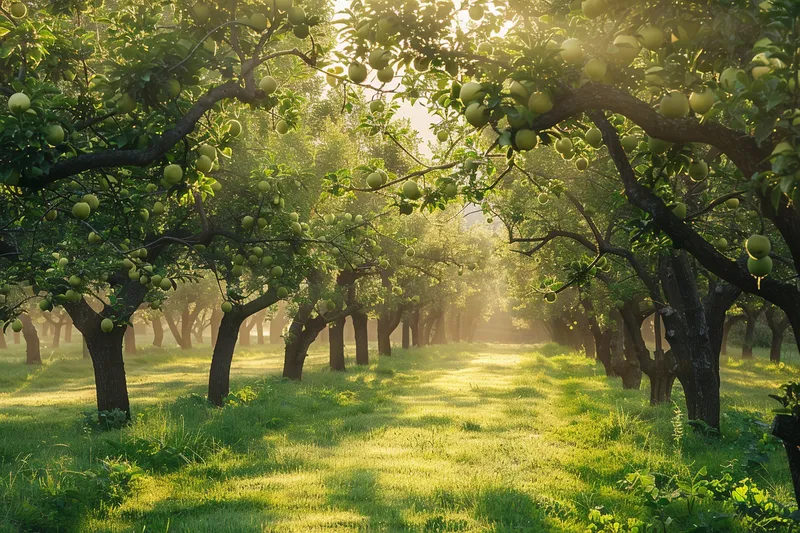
(109, 370)
(130, 339)
(440, 329)
(775, 346)
(688, 336)
(219, 377)
(57, 335)
(3, 344)
(457, 327)
(186, 329)
(105, 350)
(361, 334)
(729, 323)
(661, 383)
(68, 332)
(384, 333)
(177, 333)
(751, 314)
(413, 325)
(301, 334)
(778, 329)
(336, 342)
(406, 335)
(86, 354)
(33, 355)
(216, 320)
(158, 332)
(602, 348)
(260, 330)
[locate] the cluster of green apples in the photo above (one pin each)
(759, 263)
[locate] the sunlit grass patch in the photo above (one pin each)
(451, 438)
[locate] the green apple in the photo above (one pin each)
(698, 170)
(627, 48)
(411, 190)
(477, 114)
(18, 10)
(471, 91)
(594, 137)
(657, 146)
(268, 84)
(379, 58)
(525, 140)
(679, 210)
(595, 69)
(540, 103)
(674, 105)
(107, 325)
(203, 164)
(651, 37)
(357, 72)
(728, 78)
(282, 127)
(758, 246)
(173, 174)
(702, 101)
(572, 51)
(19, 103)
(235, 128)
(81, 210)
(476, 12)
(54, 134)
(386, 75)
(629, 143)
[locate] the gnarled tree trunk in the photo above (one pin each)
(361, 334)
(130, 340)
(33, 354)
(158, 332)
(336, 343)
(219, 377)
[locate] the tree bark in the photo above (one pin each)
(384, 340)
(751, 314)
(3, 344)
(440, 329)
(777, 327)
(413, 324)
(336, 343)
(260, 331)
(361, 334)
(187, 321)
(729, 323)
(219, 377)
(406, 335)
(158, 332)
(56, 335)
(68, 332)
(130, 339)
(687, 333)
(302, 332)
(105, 350)
(33, 355)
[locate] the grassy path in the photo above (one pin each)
(460, 438)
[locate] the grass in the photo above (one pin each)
(492, 438)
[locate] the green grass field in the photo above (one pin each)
(458, 438)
